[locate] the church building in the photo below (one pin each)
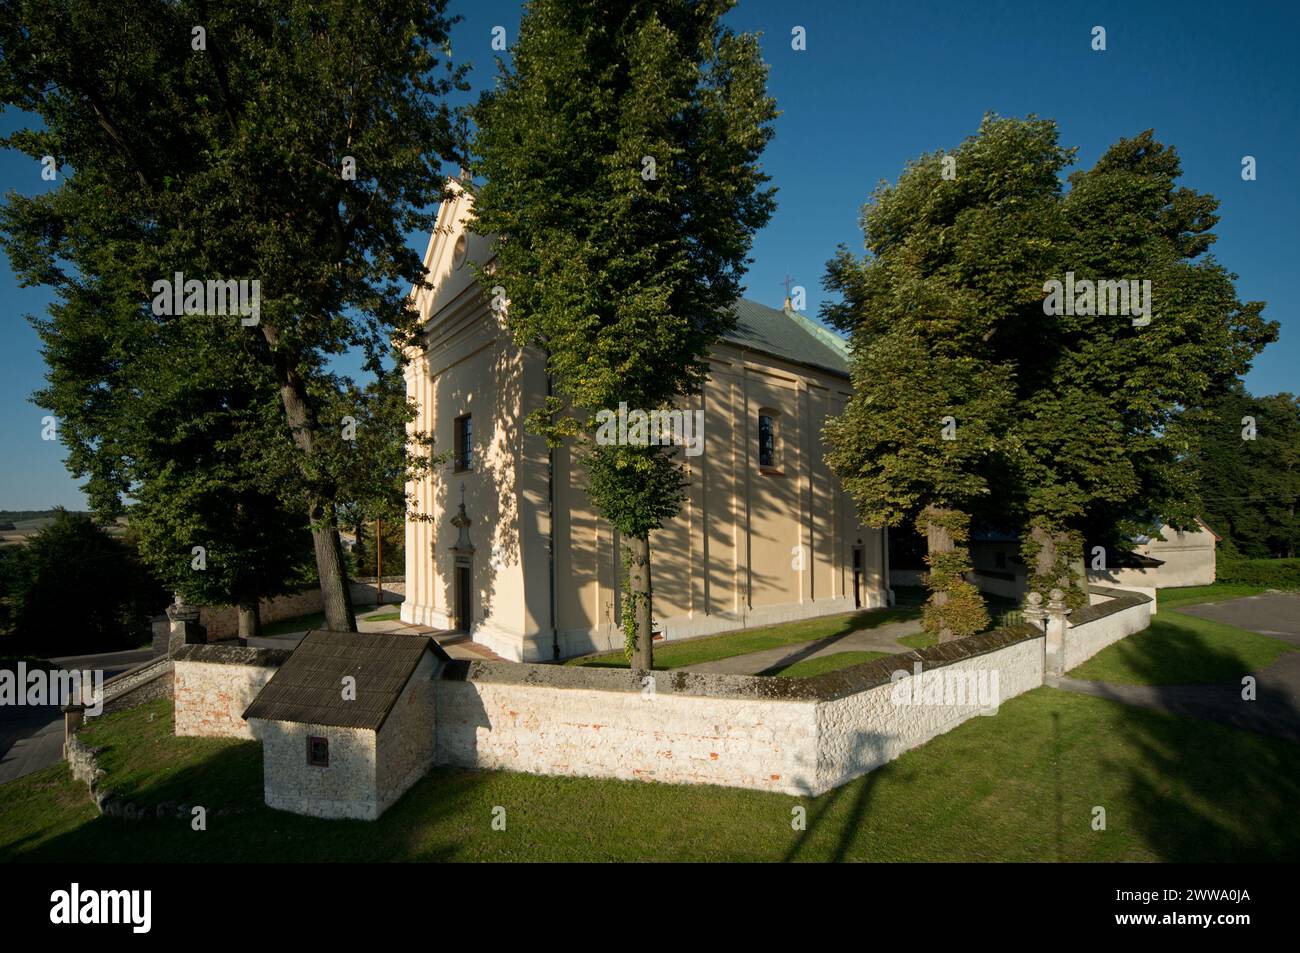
(507, 547)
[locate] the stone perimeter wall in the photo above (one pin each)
(795, 736)
(214, 684)
(617, 730)
(1112, 615)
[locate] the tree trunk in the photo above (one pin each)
(336, 594)
(938, 540)
(250, 621)
(1045, 562)
(638, 577)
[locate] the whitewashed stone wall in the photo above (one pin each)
(345, 788)
(407, 741)
(1084, 640)
(739, 742)
(867, 729)
(211, 696)
(794, 736)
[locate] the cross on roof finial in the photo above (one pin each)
(787, 282)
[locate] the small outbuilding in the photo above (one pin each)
(347, 724)
(1169, 559)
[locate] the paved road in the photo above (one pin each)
(31, 736)
(1276, 708)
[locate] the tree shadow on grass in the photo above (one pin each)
(1217, 781)
(868, 754)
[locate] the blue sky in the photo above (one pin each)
(881, 83)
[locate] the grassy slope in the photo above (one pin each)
(1020, 785)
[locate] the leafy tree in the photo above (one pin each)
(1077, 419)
(289, 142)
(620, 166)
(73, 589)
(1250, 475)
(204, 455)
(955, 252)
(1103, 449)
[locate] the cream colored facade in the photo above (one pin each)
(751, 546)
(1185, 559)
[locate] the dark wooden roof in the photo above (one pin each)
(308, 688)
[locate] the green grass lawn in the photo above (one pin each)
(1195, 595)
(384, 617)
(919, 640)
(714, 647)
(1181, 649)
(1018, 786)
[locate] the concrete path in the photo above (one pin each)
(456, 644)
(1276, 708)
(882, 638)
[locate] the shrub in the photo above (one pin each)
(1270, 573)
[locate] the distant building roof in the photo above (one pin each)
(308, 688)
(788, 335)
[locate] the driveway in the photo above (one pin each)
(31, 736)
(1276, 708)
(1269, 613)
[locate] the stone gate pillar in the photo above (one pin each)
(185, 627)
(1054, 647)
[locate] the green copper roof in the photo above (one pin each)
(789, 336)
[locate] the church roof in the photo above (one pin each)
(788, 335)
(308, 687)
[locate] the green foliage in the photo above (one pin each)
(226, 163)
(955, 608)
(1066, 569)
(1082, 420)
(1250, 488)
(1268, 573)
(73, 589)
(623, 274)
(1101, 432)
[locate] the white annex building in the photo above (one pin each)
(513, 553)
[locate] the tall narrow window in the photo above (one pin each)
(464, 448)
(766, 441)
(318, 752)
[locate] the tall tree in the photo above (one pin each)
(1103, 449)
(955, 251)
(1249, 462)
(1079, 410)
(289, 142)
(620, 165)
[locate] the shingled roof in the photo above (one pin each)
(308, 688)
(788, 335)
